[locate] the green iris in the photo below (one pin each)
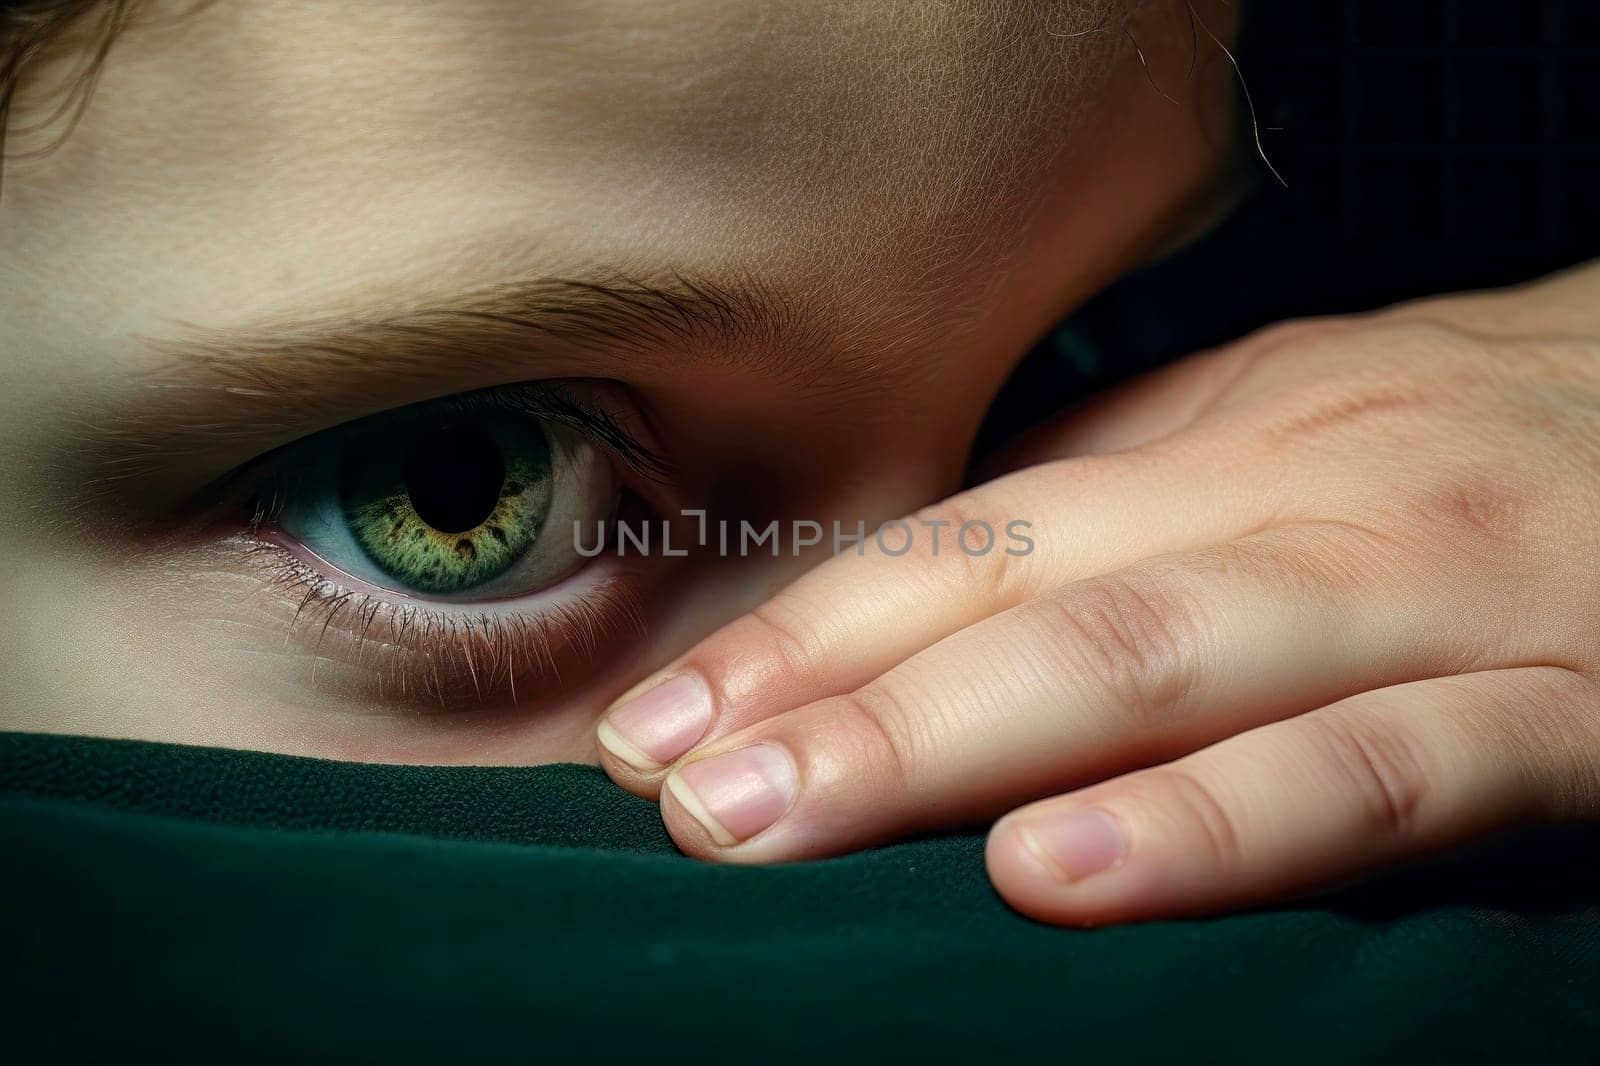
(443, 506)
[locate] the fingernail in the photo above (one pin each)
(659, 724)
(1075, 844)
(737, 794)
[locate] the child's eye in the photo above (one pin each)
(447, 501)
(432, 554)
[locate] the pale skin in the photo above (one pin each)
(244, 164)
(1299, 609)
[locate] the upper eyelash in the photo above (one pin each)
(555, 402)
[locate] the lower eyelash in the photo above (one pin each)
(445, 657)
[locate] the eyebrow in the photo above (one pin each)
(491, 328)
(267, 384)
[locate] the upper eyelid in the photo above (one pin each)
(557, 400)
(208, 400)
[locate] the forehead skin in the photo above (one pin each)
(274, 154)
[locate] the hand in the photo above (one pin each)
(1297, 609)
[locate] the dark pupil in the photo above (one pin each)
(454, 475)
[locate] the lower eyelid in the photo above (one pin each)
(373, 645)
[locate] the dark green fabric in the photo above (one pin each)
(196, 903)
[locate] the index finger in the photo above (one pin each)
(856, 616)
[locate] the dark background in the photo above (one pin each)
(1429, 146)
